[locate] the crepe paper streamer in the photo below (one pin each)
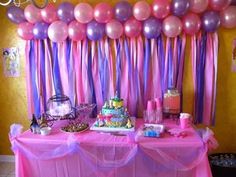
(209, 79)
(117, 47)
(48, 69)
(146, 69)
(56, 72)
(140, 75)
(90, 79)
(170, 77)
(35, 91)
(28, 79)
(43, 74)
(77, 51)
(215, 58)
(161, 59)
(95, 76)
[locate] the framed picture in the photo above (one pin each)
(11, 62)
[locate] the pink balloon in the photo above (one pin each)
(77, 31)
(83, 12)
(114, 29)
(228, 17)
(191, 23)
(160, 8)
(58, 31)
(32, 14)
(49, 13)
(103, 12)
(219, 5)
(25, 30)
(198, 6)
(141, 10)
(132, 27)
(172, 26)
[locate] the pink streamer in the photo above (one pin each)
(140, 63)
(77, 51)
(208, 86)
(180, 68)
(96, 78)
(108, 53)
(215, 58)
(168, 40)
(48, 69)
(63, 67)
(156, 71)
(87, 95)
(28, 79)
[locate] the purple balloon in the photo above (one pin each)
(95, 30)
(40, 30)
(123, 11)
(233, 2)
(180, 7)
(210, 21)
(65, 12)
(152, 28)
(16, 14)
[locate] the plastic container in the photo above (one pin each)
(223, 164)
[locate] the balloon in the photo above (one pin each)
(32, 14)
(25, 30)
(103, 12)
(114, 29)
(172, 26)
(40, 30)
(228, 17)
(161, 8)
(198, 6)
(152, 28)
(141, 10)
(83, 13)
(123, 11)
(180, 7)
(58, 31)
(233, 2)
(77, 31)
(95, 30)
(132, 27)
(16, 14)
(49, 13)
(210, 21)
(219, 5)
(191, 23)
(65, 12)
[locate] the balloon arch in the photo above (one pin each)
(81, 21)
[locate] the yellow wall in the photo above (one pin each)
(13, 104)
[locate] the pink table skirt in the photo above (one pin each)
(94, 154)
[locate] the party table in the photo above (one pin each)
(97, 154)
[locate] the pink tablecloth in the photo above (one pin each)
(93, 154)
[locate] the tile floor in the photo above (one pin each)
(7, 169)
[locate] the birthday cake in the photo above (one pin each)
(113, 115)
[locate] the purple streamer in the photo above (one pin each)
(56, 71)
(170, 66)
(127, 54)
(146, 67)
(90, 79)
(200, 79)
(43, 74)
(33, 70)
(161, 54)
(118, 68)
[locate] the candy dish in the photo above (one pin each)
(75, 128)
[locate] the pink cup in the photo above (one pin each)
(185, 120)
(151, 105)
